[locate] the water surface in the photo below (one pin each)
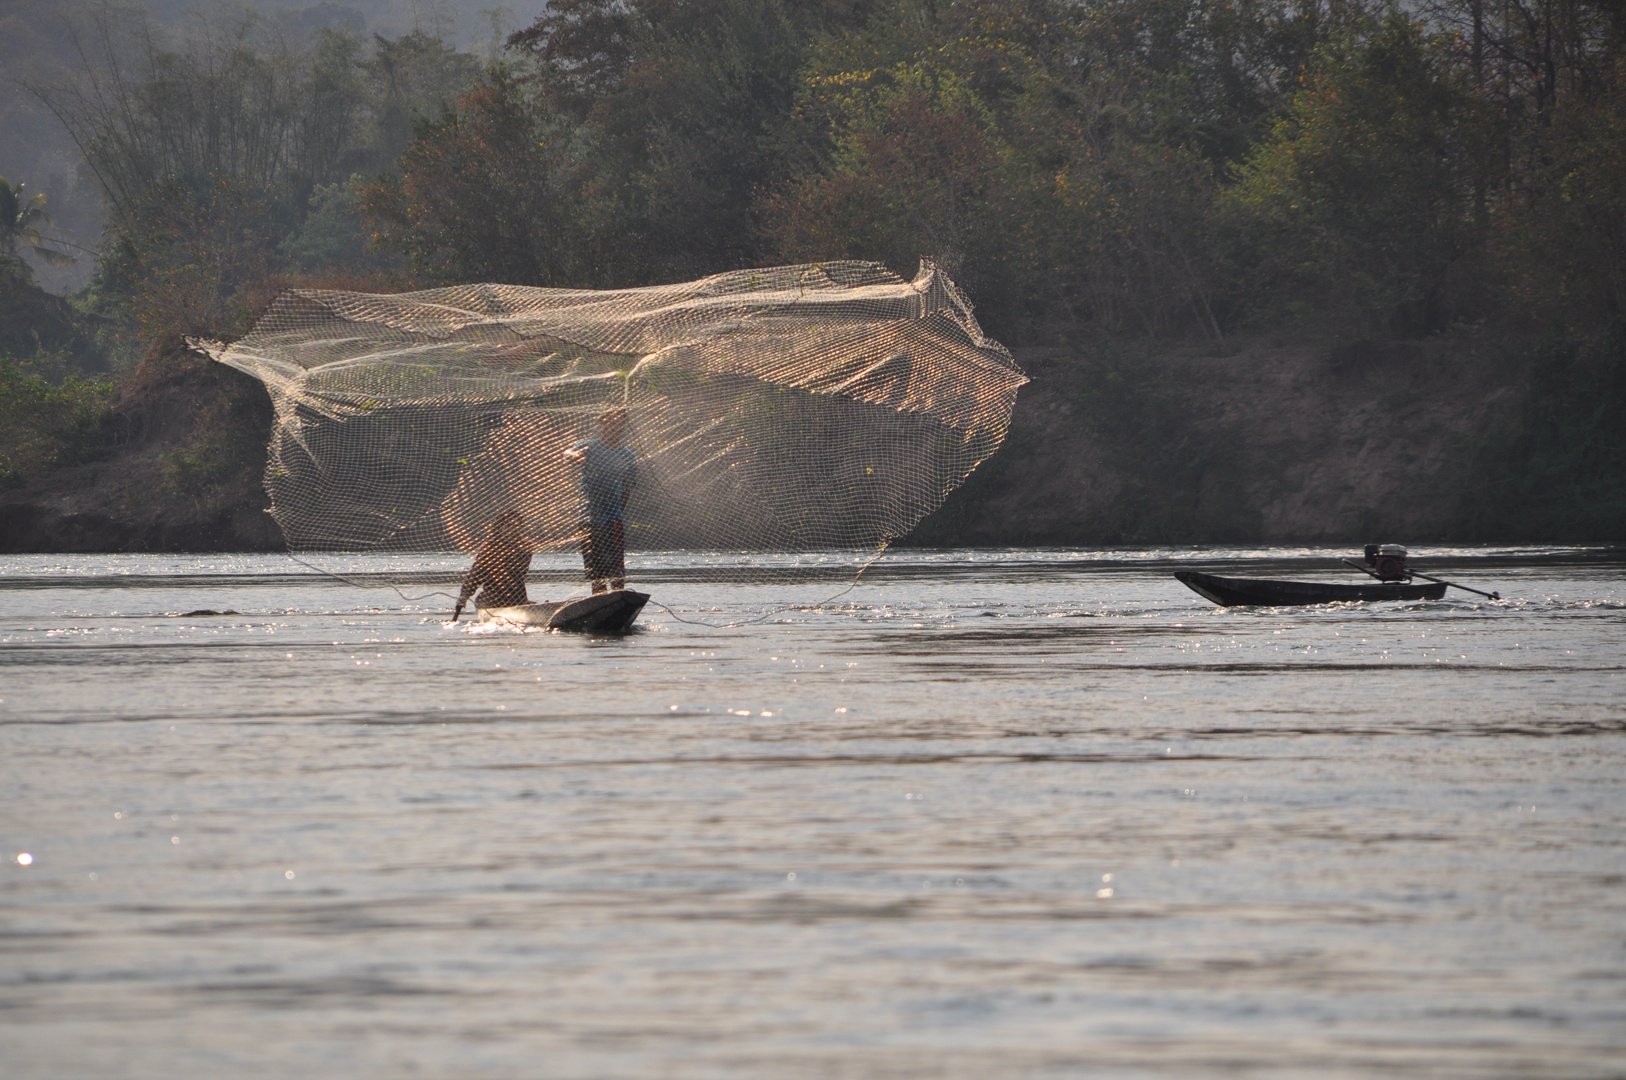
(991, 813)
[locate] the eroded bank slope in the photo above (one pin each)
(1466, 437)
(1459, 438)
(173, 465)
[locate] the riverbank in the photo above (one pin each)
(173, 464)
(1465, 437)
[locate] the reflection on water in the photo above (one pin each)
(987, 814)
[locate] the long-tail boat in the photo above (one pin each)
(1241, 592)
(1385, 563)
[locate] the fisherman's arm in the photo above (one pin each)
(471, 585)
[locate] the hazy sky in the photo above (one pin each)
(467, 22)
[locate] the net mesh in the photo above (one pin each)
(797, 408)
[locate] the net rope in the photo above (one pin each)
(814, 408)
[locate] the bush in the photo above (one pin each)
(43, 426)
(1362, 197)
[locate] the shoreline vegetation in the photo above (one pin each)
(1280, 273)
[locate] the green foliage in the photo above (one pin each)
(44, 426)
(1141, 165)
(677, 152)
(913, 169)
(40, 329)
(23, 219)
(406, 80)
(1160, 167)
(999, 134)
(333, 236)
(190, 471)
(623, 146)
(193, 258)
(480, 194)
(1364, 194)
(1564, 255)
(1123, 230)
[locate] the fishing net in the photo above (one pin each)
(805, 408)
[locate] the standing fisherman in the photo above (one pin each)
(609, 471)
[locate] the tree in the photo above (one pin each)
(1124, 233)
(1564, 243)
(193, 258)
(622, 146)
(915, 165)
(483, 192)
(1363, 196)
(23, 219)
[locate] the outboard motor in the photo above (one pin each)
(1388, 562)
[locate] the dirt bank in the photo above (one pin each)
(1273, 441)
(1269, 440)
(178, 468)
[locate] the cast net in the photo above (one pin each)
(794, 409)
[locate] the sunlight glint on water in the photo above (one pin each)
(989, 813)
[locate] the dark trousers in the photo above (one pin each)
(604, 557)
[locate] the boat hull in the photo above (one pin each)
(602, 613)
(1263, 592)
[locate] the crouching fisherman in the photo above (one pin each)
(500, 566)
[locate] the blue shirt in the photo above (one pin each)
(608, 472)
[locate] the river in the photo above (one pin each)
(988, 813)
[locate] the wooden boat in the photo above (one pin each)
(1241, 592)
(602, 613)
